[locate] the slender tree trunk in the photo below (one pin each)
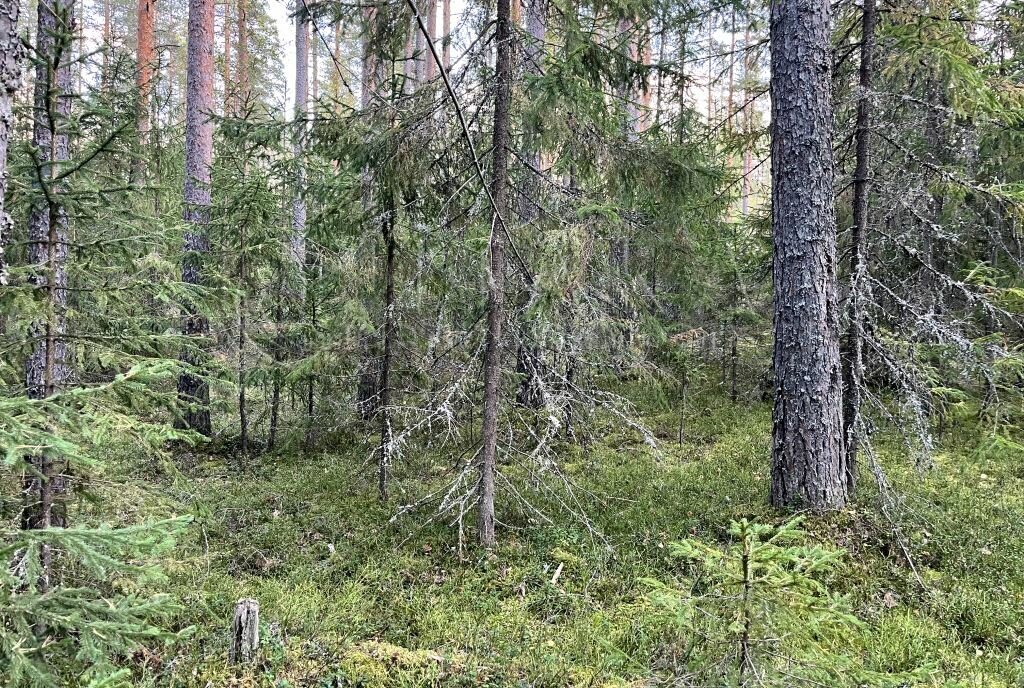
(11, 54)
(681, 85)
(226, 75)
(243, 416)
(49, 364)
(108, 45)
(747, 126)
(711, 65)
(145, 60)
(495, 273)
(390, 336)
(242, 69)
(808, 464)
(446, 6)
(528, 354)
(432, 30)
(193, 390)
(298, 238)
(314, 62)
(335, 75)
(277, 353)
(853, 354)
(240, 102)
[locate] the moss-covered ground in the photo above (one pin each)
(351, 597)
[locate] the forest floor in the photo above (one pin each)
(349, 598)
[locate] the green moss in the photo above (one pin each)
(362, 601)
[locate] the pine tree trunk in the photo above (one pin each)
(193, 390)
(853, 354)
(49, 364)
(808, 464)
(495, 274)
(11, 54)
(145, 61)
(431, 66)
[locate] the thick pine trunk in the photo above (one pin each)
(145, 60)
(808, 464)
(49, 364)
(853, 354)
(11, 53)
(495, 274)
(193, 390)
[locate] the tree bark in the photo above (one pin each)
(390, 336)
(226, 74)
(314, 62)
(242, 49)
(808, 464)
(431, 66)
(446, 27)
(193, 390)
(145, 61)
(495, 273)
(11, 54)
(49, 364)
(853, 354)
(245, 632)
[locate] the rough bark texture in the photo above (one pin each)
(495, 273)
(853, 354)
(48, 366)
(808, 465)
(245, 632)
(193, 390)
(11, 54)
(145, 60)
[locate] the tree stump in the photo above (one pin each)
(245, 631)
